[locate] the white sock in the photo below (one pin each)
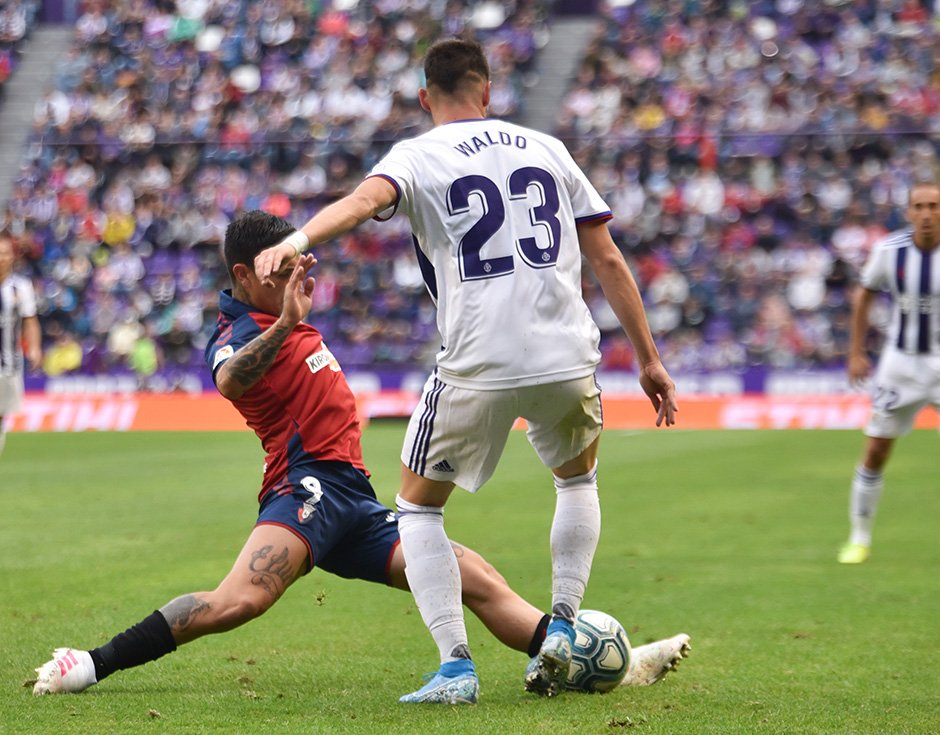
(576, 529)
(434, 577)
(3, 436)
(863, 503)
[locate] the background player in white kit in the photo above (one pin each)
(906, 264)
(18, 324)
(501, 216)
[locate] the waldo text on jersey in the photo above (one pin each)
(479, 142)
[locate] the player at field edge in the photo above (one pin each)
(317, 506)
(19, 327)
(908, 373)
(501, 216)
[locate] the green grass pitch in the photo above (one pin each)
(728, 536)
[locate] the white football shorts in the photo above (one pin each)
(458, 434)
(903, 385)
(11, 393)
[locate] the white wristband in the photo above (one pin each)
(298, 240)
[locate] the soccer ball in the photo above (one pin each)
(600, 655)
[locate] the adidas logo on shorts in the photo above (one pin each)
(442, 466)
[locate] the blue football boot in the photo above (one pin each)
(455, 682)
(547, 673)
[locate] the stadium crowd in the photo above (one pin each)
(168, 118)
(751, 153)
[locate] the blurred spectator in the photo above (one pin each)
(17, 18)
(64, 355)
(145, 358)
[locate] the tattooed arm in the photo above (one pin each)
(249, 364)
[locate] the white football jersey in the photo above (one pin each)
(17, 302)
(912, 277)
(493, 208)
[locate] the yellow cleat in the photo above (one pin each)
(854, 553)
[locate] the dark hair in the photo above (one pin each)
(448, 64)
(249, 234)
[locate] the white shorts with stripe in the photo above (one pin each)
(458, 435)
(904, 384)
(11, 393)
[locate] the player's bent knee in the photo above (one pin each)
(238, 609)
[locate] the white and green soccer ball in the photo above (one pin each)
(600, 655)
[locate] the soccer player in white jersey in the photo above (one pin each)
(906, 264)
(18, 325)
(501, 217)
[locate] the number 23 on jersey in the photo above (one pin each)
(543, 216)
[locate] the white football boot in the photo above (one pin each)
(650, 663)
(69, 671)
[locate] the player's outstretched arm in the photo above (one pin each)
(371, 197)
(624, 297)
(249, 363)
(858, 364)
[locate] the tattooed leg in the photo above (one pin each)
(271, 570)
(182, 612)
(268, 564)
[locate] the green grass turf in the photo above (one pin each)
(729, 536)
